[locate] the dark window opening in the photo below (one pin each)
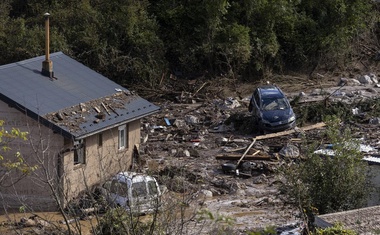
(100, 139)
(79, 152)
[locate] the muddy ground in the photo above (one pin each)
(209, 120)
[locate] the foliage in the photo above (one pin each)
(329, 183)
(16, 163)
(119, 222)
(173, 218)
(317, 111)
(143, 41)
(271, 230)
(337, 229)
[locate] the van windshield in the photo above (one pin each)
(139, 189)
(119, 188)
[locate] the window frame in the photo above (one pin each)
(123, 137)
(79, 152)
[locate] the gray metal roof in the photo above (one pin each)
(69, 102)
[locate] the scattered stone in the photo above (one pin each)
(349, 82)
(180, 124)
(290, 151)
(374, 121)
(207, 193)
(373, 78)
(365, 79)
(28, 222)
(190, 119)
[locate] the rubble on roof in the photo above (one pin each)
(92, 111)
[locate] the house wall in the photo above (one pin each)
(101, 162)
(40, 150)
(44, 147)
(374, 198)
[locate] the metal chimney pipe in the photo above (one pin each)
(47, 65)
(47, 37)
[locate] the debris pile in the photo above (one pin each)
(213, 145)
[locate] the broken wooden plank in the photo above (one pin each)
(246, 151)
(113, 110)
(97, 109)
(234, 150)
(296, 140)
(314, 126)
(105, 108)
(237, 156)
(282, 133)
(82, 107)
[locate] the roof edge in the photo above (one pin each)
(38, 58)
(115, 125)
(36, 117)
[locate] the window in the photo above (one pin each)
(139, 189)
(79, 152)
(152, 187)
(123, 137)
(100, 139)
(119, 188)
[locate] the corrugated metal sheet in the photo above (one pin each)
(372, 159)
(24, 87)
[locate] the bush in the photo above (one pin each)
(325, 184)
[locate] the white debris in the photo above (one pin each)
(190, 119)
(365, 79)
(355, 111)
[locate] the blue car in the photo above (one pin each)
(271, 109)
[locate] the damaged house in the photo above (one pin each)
(83, 128)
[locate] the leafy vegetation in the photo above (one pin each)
(325, 184)
(335, 230)
(15, 164)
(146, 41)
(316, 112)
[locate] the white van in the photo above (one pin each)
(135, 192)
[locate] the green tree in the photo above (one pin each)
(133, 41)
(12, 164)
(330, 183)
(233, 49)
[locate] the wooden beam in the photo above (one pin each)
(282, 133)
(246, 151)
(237, 157)
(105, 108)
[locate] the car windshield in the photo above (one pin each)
(274, 104)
